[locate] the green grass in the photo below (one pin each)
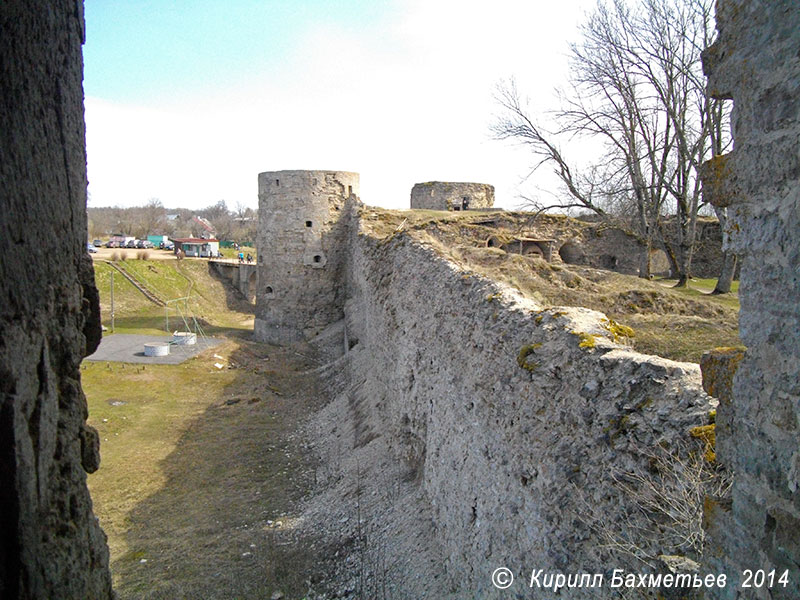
(196, 464)
(702, 288)
(198, 461)
(217, 307)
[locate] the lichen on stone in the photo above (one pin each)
(587, 339)
(524, 353)
(707, 434)
(619, 332)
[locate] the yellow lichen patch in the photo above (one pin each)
(587, 339)
(493, 297)
(619, 332)
(524, 353)
(708, 434)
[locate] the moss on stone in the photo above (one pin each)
(587, 339)
(524, 353)
(707, 434)
(619, 332)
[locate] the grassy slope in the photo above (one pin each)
(198, 463)
(217, 306)
(198, 470)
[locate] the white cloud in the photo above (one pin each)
(406, 101)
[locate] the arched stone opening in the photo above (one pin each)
(659, 263)
(533, 250)
(571, 252)
(609, 261)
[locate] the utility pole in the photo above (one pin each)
(112, 301)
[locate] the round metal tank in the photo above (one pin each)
(184, 338)
(156, 349)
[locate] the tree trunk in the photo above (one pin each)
(728, 258)
(644, 261)
(726, 275)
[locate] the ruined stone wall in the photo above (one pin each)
(51, 545)
(301, 248)
(756, 63)
(445, 195)
(514, 421)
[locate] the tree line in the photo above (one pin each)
(239, 224)
(636, 83)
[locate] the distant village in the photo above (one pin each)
(207, 233)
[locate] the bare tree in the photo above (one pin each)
(636, 84)
(151, 218)
(517, 125)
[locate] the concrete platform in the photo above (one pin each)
(122, 347)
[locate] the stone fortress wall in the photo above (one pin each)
(51, 545)
(756, 64)
(301, 251)
(514, 420)
(445, 195)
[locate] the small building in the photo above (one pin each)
(199, 247)
(444, 195)
(204, 227)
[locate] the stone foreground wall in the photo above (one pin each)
(301, 249)
(756, 63)
(51, 545)
(446, 195)
(518, 461)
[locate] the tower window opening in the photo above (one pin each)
(268, 289)
(277, 182)
(309, 224)
(317, 258)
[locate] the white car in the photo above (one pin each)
(91, 248)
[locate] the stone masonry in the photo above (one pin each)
(756, 63)
(51, 545)
(445, 195)
(301, 249)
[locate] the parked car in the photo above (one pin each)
(169, 246)
(91, 248)
(131, 244)
(147, 244)
(111, 244)
(98, 243)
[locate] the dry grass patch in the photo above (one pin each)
(675, 323)
(202, 476)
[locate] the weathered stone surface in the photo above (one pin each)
(301, 252)
(518, 464)
(51, 545)
(448, 195)
(755, 62)
(718, 367)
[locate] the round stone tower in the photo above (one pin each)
(302, 244)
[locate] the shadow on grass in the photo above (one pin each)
(223, 524)
(234, 299)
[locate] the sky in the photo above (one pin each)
(187, 101)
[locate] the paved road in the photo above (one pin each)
(121, 347)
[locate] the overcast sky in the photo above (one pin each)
(187, 101)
